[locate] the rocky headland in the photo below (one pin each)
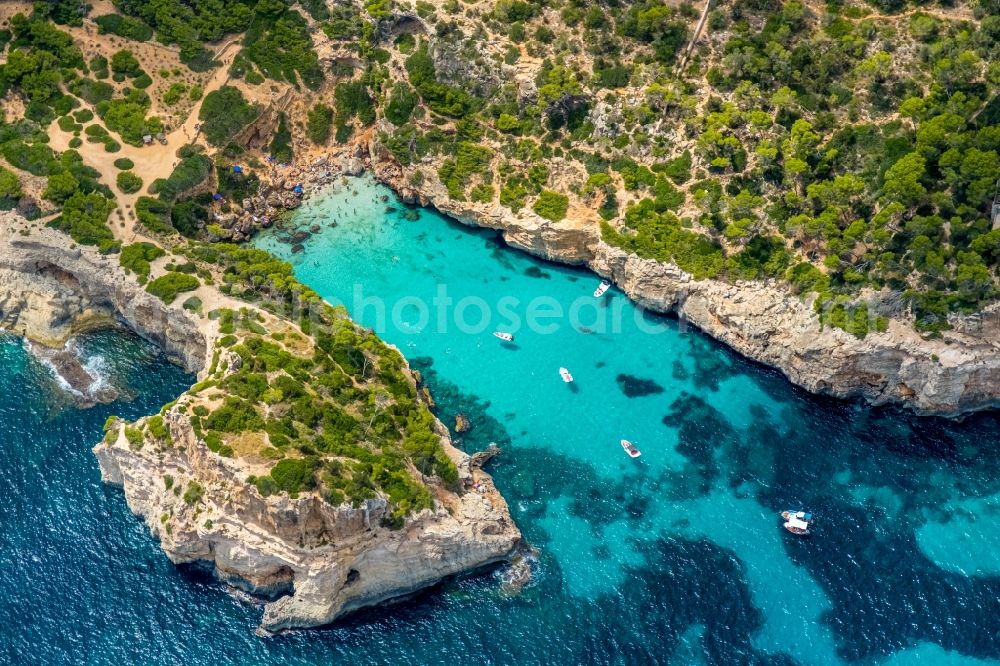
(314, 560)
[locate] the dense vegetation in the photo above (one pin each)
(854, 155)
(225, 112)
(168, 286)
(277, 46)
(329, 402)
(191, 24)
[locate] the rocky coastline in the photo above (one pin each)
(51, 289)
(314, 562)
(952, 375)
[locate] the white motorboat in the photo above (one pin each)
(566, 377)
(506, 337)
(603, 287)
(630, 449)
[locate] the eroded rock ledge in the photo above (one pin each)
(765, 321)
(51, 289)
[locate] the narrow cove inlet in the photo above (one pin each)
(679, 551)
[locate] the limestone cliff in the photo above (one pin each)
(50, 289)
(318, 562)
(763, 320)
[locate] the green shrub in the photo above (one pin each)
(508, 123)
(36, 159)
(127, 117)
(84, 217)
(128, 182)
(402, 101)
(678, 169)
(224, 113)
(134, 437)
(293, 475)
(125, 62)
(137, 256)
(190, 172)
(354, 101)
(158, 429)
(235, 416)
(660, 236)
(470, 159)
(123, 26)
(124, 163)
(167, 287)
(343, 132)
(10, 189)
(194, 493)
(551, 205)
(441, 98)
(99, 67)
(281, 142)
(67, 124)
(514, 193)
(406, 42)
(318, 123)
(154, 214)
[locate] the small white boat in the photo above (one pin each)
(566, 377)
(506, 337)
(630, 449)
(603, 287)
(797, 522)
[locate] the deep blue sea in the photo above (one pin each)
(676, 557)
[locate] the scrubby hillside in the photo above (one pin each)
(848, 148)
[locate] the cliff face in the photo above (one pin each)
(320, 561)
(50, 288)
(764, 321)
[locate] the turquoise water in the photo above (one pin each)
(677, 557)
(680, 549)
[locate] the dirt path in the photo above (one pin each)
(151, 162)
